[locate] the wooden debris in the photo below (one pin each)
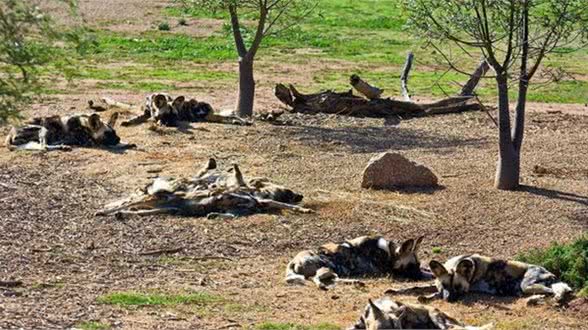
(117, 104)
(404, 77)
(162, 251)
(364, 88)
(10, 284)
(373, 105)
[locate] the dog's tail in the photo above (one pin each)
(292, 277)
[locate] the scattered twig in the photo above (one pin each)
(10, 284)
(162, 251)
(117, 104)
(7, 186)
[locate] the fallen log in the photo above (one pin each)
(352, 105)
(346, 103)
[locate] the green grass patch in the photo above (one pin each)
(138, 86)
(437, 250)
(156, 46)
(294, 326)
(157, 299)
(92, 325)
(569, 262)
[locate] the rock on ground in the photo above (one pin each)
(390, 170)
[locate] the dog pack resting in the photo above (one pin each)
(476, 273)
(61, 132)
(168, 111)
(361, 257)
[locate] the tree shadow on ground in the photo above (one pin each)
(555, 194)
(378, 139)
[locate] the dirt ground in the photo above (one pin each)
(67, 257)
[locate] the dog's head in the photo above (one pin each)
(405, 259)
(103, 133)
(377, 319)
(163, 109)
(197, 109)
(452, 282)
(266, 189)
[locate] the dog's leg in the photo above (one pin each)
(270, 203)
(427, 299)
(137, 120)
(169, 210)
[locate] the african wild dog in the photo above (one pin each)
(61, 132)
(476, 273)
(386, 313)
(361, 257)
(168, 111)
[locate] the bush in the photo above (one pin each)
(183, 22)
(567, 261)
(164, 26)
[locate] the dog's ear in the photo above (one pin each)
(178, 102)
(376, 311)
(406, 247)
(437, 268)
(112, 120)
(159, 101)
(466, 268)
(94, 121)
(417, 243)
(392, 248)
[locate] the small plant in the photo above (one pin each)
(183, 22)
(567, 261)
(93, 325)
(437, 250)
(164, 26)
(157, 299)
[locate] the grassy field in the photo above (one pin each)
(367, 38)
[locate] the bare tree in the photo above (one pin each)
(271, 16)
(514, 36)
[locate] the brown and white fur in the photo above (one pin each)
(476, 273)
(168, 111)
(386, 313)
(62, 132)
(360, 257)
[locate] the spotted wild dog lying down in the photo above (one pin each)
(360, 257)
(62, 132)
(211, 192)
(386, 313)
(476, 273)
(167, 111)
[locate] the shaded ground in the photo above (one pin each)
(67, 257)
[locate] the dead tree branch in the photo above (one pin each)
(404, 77)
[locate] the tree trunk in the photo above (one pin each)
(508, 167)
(246, 96)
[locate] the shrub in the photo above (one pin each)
(182, 22)
(567, 261)
(164, 26)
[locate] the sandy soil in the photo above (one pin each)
(67, 257)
